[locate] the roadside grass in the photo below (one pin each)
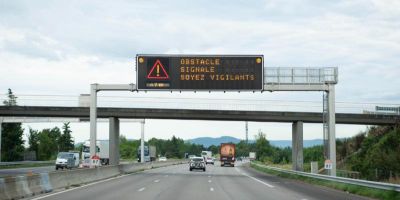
(283, 166)
(354, 189)
(26, 165)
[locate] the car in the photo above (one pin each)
(197, 163)
(162, 159)
(209, 161)
(67, 160)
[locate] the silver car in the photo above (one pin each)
(197, 163)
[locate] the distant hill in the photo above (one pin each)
(208, 141)
(288, 143)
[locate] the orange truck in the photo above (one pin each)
(227, 154)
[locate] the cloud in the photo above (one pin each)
(62, 47)
(30, 44)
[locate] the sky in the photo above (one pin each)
(58, 48)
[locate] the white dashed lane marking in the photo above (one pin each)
(141, 189)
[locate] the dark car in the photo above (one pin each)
(197, 163)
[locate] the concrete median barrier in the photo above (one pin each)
(25, 186)
(16, 187)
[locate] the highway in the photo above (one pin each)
(177, 182)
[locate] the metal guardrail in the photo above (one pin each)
(26, 162)
(370, 184)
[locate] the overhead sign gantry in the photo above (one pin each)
(229, 73)
(200, 72)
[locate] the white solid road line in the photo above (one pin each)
(141, 189)
(260, 181)
(83, 186)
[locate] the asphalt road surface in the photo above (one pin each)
(178, 183)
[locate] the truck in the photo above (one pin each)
(206, 154)
(102, 150)
(252, 155)
(149, 153)
(67, 160)
(227, 154)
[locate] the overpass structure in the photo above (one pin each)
(185, 114)
(29, 114)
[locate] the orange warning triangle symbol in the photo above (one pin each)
(158, 71)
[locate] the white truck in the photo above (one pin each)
(206, 154)
(149, 154)
(102, 150)
(67, 160)
(252, 155)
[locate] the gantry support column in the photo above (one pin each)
(1, 127)
(332, 129)
(142, 144)
(114, 141)
(93, 119)
(297, 146)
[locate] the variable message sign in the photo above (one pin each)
(200, 72)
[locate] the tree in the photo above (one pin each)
(128, 148)
(12, 99)
(175, 148)
(11, 137)
(33, 141)
(48, 146)
(65, 141)
(193, 149)
(315, 153)
(379, 155)
(214, 149)
(264, 149)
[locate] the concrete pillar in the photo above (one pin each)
(314, 167)
(1, 127)
(93, 119)
(114, 141)
(297, 146)
(142, 144)
(332, 129)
